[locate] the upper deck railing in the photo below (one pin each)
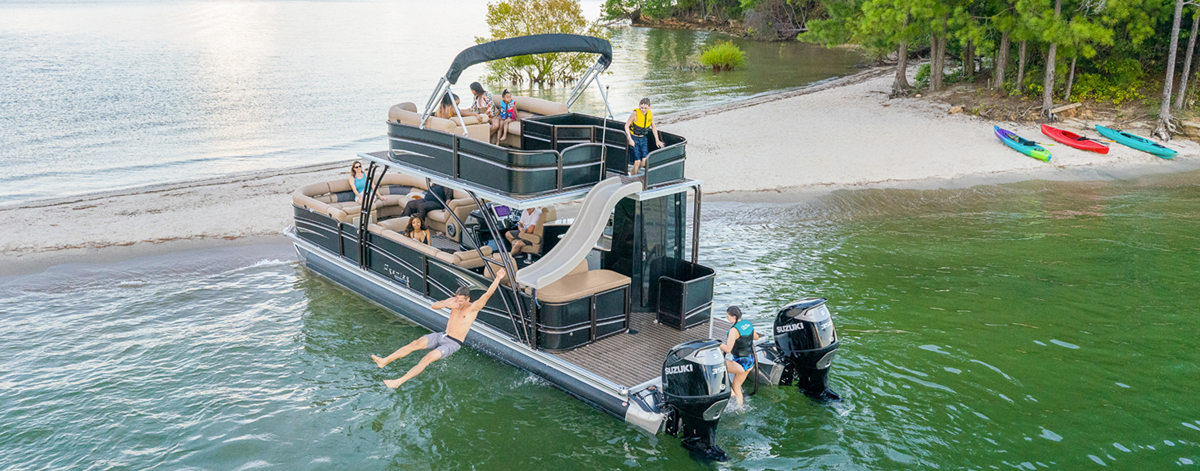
(558, 153)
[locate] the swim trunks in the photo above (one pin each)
(443, 343)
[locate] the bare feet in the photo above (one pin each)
(393, 383)
(379, 361)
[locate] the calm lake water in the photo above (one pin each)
(109, 94)
(1027, 326)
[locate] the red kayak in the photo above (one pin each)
(1074, 140)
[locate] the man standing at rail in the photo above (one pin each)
(442, 344)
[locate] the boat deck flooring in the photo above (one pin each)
(630, 359)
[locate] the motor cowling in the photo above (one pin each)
(695, 391)
(807, 342)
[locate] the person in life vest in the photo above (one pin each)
(506, 113)
(740, 345)
(639, 123)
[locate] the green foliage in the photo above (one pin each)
(724, 55)
(921, 80)
(1117, 81)
(512, 18)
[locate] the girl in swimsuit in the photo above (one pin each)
(739, 344)
(416, 230)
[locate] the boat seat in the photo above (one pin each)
(527, 107)
(581, 285)
(465, 258)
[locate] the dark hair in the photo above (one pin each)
(352, 164)
(477, 88)
(408, 231)
(463, 291)
(734, 311)
(645, 101)
(505, 92)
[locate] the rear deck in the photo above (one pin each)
(632, 358)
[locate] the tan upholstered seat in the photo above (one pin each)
(579, 285)
(477, 128)
(465, 258)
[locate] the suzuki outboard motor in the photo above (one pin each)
(807, 342)
(695, 391)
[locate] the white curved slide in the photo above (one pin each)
(581, 237)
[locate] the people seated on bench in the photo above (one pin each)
(416, 230)
(358, 180)
(530, 219)
(421, 206)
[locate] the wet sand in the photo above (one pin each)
(782, 146)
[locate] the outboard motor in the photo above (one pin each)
(695, 391)
(807, 342)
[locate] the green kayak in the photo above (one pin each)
(1136, 142)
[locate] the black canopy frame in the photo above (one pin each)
(522, 46)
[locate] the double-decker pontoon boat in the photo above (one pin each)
(606, 304)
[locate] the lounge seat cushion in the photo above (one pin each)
(581, 285)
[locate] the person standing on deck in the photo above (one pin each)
(739, 344)
(442, 344)
(639, 123)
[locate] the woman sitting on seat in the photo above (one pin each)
(358, 181)
(416, 230)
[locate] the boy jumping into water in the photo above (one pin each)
(442, 344)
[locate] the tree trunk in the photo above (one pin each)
(900, 85)
(1187, 62)
(1164, 127)
(968, 61)
(1070, 80)
(1001, 62)
(1021, 68)
(938, 66)
(1048, 81)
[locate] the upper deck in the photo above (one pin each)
(558, 156)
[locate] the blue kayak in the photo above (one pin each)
(1136, 142)
(1022, 145)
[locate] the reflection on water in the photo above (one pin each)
(1036, 325)
(104, 95)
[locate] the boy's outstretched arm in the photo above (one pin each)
(479, 303)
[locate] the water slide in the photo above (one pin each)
(581, 237)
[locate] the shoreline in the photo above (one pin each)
(838, 134)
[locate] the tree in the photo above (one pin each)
(1187, 62)
(1163, 128)
(512, 18)
(1048, 81)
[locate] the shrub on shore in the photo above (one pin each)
(723, 56)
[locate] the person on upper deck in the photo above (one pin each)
(431, 201)
(450, 102)
(416, 230)
(740, 345)
(506, 112)
(527, 224)
(639, 123)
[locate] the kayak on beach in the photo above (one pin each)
(1074, 140)
(1022, 145)
(1136, 142)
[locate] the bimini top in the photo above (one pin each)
(525, 45)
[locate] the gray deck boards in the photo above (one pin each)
(631, 359)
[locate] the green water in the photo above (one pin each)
(1035, 325)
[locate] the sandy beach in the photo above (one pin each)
(844, 133)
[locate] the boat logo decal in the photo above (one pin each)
(671, 370)
(783, 329)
